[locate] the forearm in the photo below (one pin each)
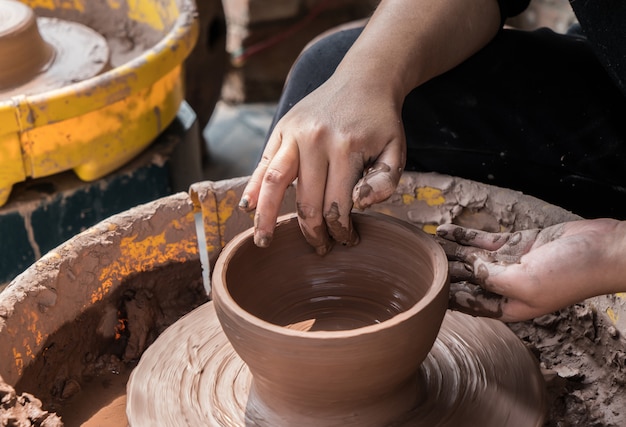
(408, 42)
(584, 261)
(613, 264)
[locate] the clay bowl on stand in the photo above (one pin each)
(333, 340)
(25, 53)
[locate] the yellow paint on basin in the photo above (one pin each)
(97, 125)
(432, 196)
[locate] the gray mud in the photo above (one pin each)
(583, 359)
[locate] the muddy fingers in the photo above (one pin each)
(473, 299)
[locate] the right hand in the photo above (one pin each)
(348, 126)
(352, 124)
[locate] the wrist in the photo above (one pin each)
(378, 79)
(615, 260)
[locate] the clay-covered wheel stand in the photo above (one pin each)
(429, 366)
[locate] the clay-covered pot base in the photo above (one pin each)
(42, 54)
(478, 373)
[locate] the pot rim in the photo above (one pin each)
(222, 297)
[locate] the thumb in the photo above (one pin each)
(381, 179)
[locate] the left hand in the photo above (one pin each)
(526, 274)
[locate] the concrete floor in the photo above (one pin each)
(235, 136)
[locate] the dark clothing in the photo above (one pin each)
(510, 8)
(536, 111)
(603, 22)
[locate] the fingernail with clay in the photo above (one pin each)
(360, 196)
(322, 250)
(482, 272)
(377, 185)
(354, 238)
(262, 240)
(243, 203)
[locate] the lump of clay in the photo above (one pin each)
(23, 410)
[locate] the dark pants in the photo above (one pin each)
(533, 111)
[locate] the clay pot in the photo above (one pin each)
(22, 48)
(333, 340)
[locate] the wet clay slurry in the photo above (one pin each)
(41, 54)
(478, 373)
(346, 339)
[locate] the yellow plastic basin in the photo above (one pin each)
(95, 126)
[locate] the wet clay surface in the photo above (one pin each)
(79, 53)
(23, 409)
(582, 358)
(431, 199)
(348, 288)
(214, 382)
(69, 47)
(81, 373)
(363, 309)
(584, 362)
(582, 355)
(23, 51)
(336, 340)
(127, 38)
(42, 54)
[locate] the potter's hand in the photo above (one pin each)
(327, 141)
(352, 123)
(525, 274)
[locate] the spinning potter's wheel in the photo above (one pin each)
(478, 373)
(295, 339)
(42, 54)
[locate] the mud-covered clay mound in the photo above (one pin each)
(85, 364)
(23, 410)
(583, 359)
